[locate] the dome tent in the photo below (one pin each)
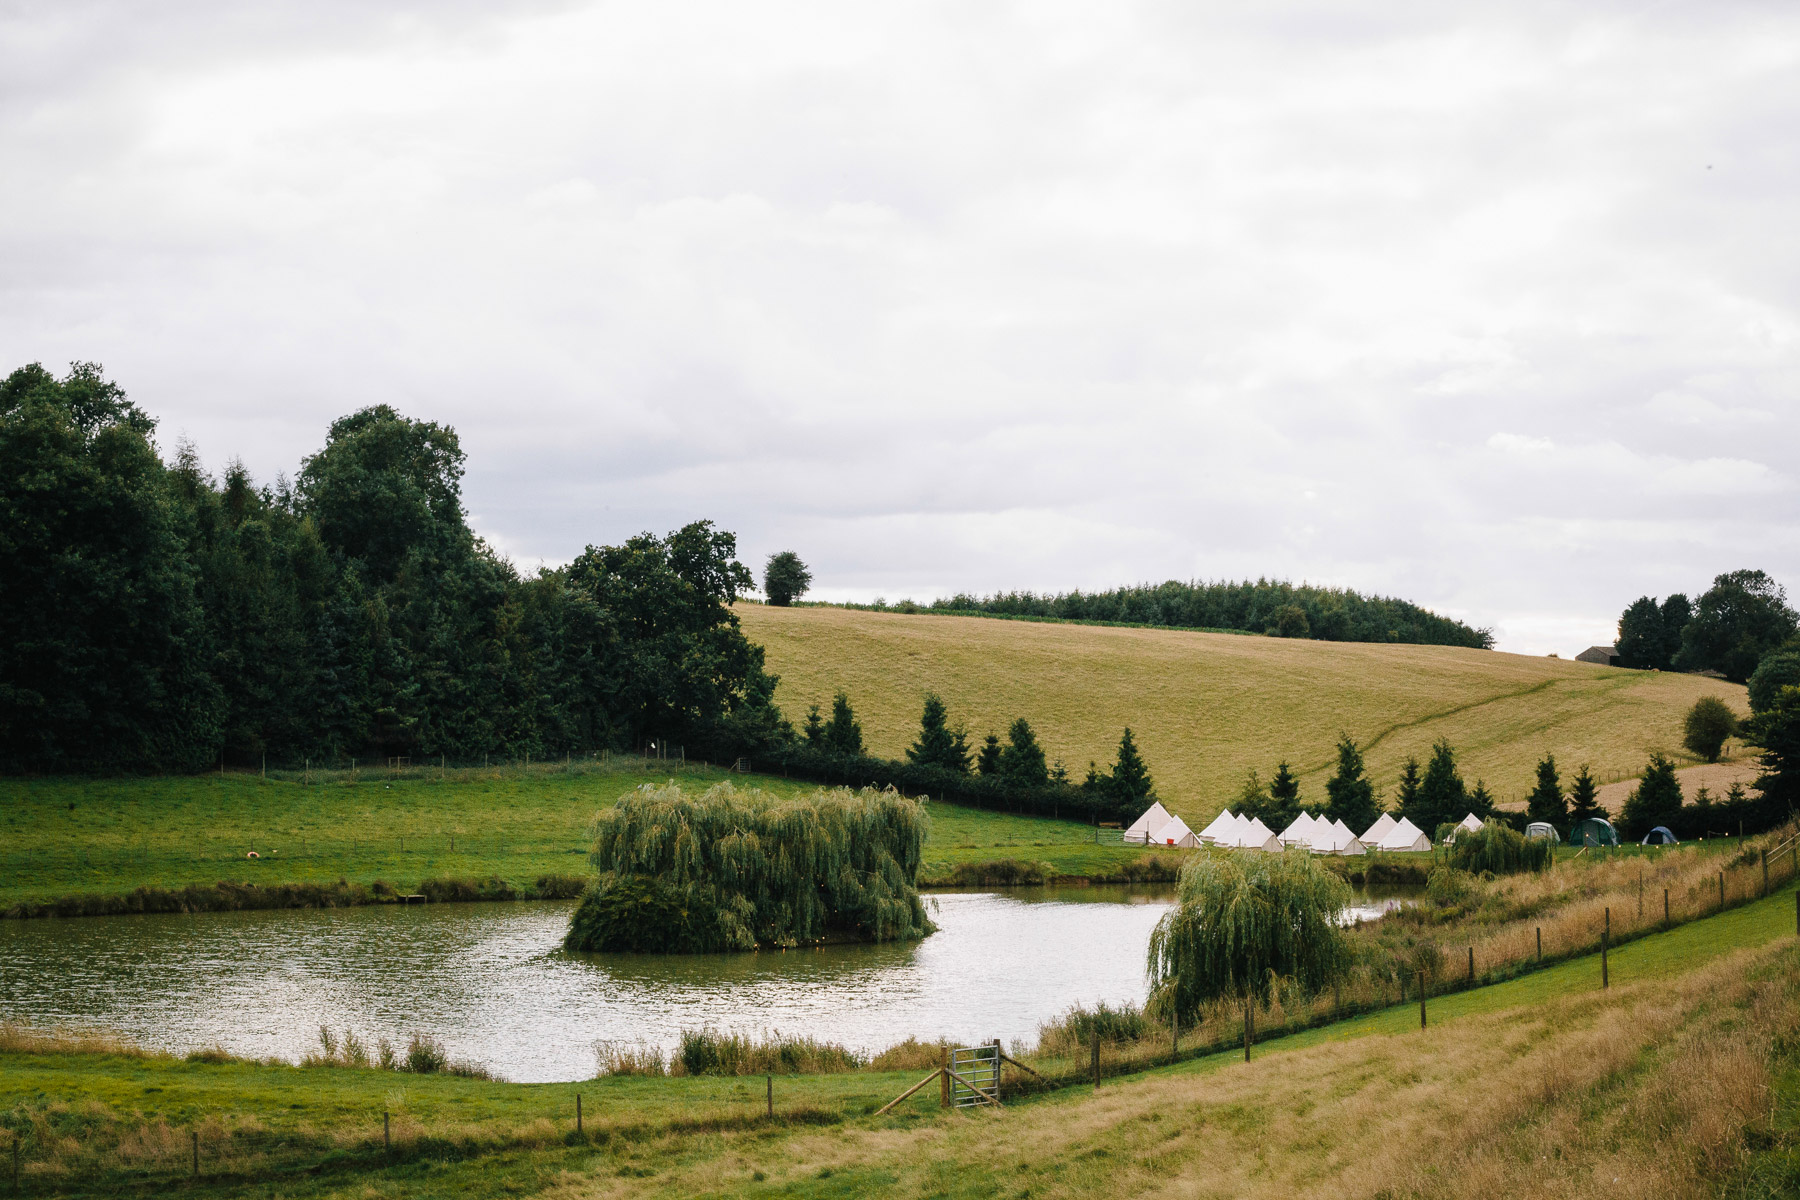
(1541, 829)
(1595, 831)
(1660, 836)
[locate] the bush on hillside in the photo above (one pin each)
(735, 870)
(1709, 723)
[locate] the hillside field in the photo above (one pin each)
(1207, 707)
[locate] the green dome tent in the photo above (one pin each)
(1595, 831)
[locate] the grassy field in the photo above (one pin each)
(107, 836)
(1676, 1081)
(1208, 707)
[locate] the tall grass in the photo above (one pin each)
(423, 1055)
(712, 1052)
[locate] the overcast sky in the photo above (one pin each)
(1495, 313)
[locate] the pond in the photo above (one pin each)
(491, 983)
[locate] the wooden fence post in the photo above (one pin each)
(770, 1081)
(1665, 908)
(1721, 891)
(999, 1062)
(1540, 933)
(1421, 999)
(578, 1113)
(1765, 860)
(1605, 938)
(1096, 1057)
(195, 1134)
(1471, 966)
(944, 1081)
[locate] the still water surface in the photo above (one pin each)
(491, 983)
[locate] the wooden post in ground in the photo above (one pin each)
(195, 1134)
(1765, 857)
(770, 1080)
(1471, 966)
(1721, 891)
(386, 1142)
(1421, 999)
(1605, 939)
(944, 1081)
(999, 1061)
(1665, 908)
(1797, 914)
(577, 1113)
(1096, 1058)
(1540, 932)
(1246, 1027)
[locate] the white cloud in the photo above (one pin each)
(1427, 302)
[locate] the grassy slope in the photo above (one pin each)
(108, 836)
(1301, 1111)
(1208, 707)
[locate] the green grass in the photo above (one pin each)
(69, 836)
(684, 1136)
(1207, 707)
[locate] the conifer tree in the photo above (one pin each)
(1481, 801)
(1655, 801)
(1406, 797)
(1584, 799)
(1546, 803)
(1443, 797)
(1284, 798)
(815, 727)
(1349, 795)
(938, 745)
(1130, 778)
(1093, 781)
(987, 761)
(1022, 761)
(1253, 799)
(843, 733)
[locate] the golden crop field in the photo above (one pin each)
(1207, 707)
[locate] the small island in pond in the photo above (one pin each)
(738, 869)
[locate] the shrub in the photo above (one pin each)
(1448, 887)
(1066, 1035)
(1501, 850)
(734, 870)
(1708, 724)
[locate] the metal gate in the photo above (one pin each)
(980, 1067)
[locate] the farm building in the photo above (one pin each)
(1606, 656)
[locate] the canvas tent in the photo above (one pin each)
(1250, 835)
(1176, 833)
(1469, 824)
(1220, 829)
(1541, 829)
(1660, 836)
(1405, 836)
(1144, 829)
(1595, 831)
(1383, 826)
(1300, 833)
(1334, 837)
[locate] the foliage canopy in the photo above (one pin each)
(735, 869)
(1242, 922)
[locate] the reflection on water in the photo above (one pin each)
(490, 980)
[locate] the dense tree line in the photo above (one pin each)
(1012, 775)
(153, 617)
(1739, 623)
(1265, 606)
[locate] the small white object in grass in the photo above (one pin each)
(253, 854)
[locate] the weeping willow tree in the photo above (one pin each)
(1500, 849)
(1244, 924)
(738, 869)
